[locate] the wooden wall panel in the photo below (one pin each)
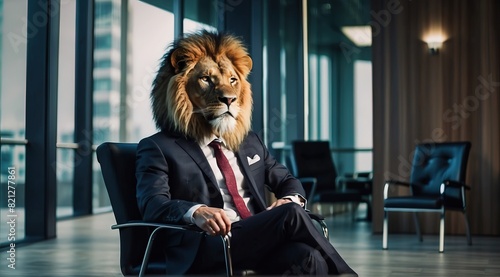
(451, 96)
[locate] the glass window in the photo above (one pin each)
(103, 63)
(12, 114)
(363, 127)
(200, 15)
(152, 32)
(103, 10)
(339, 72)
(66, 109)
(103, 41)
(102, 84)
(126, 63)
(13, 68)
(102, 109)
(13, 177)
(320, 70)
(283, 95)
(65, 174)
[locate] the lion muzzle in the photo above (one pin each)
(227, 100)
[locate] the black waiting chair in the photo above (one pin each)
(138, 256)
(437, 184)
(314, 159)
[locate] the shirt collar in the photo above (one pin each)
(207, 140)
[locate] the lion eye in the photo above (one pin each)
(233, 80)
(205, 79)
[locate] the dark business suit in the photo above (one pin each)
(173, 175)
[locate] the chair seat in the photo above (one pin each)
(412, 202)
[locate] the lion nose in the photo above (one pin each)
(227, 100)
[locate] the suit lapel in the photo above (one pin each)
(242, 158)
(193, 150)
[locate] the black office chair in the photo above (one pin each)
(137, 252)
(314, 159)
(138, 256)
(437, 184)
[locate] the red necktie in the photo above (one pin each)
(228, 173)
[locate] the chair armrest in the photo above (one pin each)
(159, 226)
(150, 224)
(309, 184)
(453, 185)
(453, 193)
(363, 174)
(393, 182)
(360, 183)
(456, 184)
(320, 220)
(397, 182)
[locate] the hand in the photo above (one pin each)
(214, 221)
(279, 202)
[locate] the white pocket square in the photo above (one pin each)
(253, 160)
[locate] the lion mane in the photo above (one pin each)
(185, 100)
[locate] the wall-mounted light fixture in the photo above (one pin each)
(434, 42)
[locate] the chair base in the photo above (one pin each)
(417, 226)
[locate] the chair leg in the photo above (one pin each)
(441, 233)
(226, 242)
(417, 227)
(369, 210)
(147, 252)
(384, 231)
(467, 229)
(324, 228)
(354, 210)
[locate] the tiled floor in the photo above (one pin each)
(88, 247)
(84, 247)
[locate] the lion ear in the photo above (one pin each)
(179, 60)
(246, 63)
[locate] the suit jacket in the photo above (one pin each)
(173, 175)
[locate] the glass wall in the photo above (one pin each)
(283, 76)
(150, 33)
(327, 95)
(66, 110)
(12, 118)
(363, 111)
(130, 39)
(316, 90)
(339, 92)
(200, 15)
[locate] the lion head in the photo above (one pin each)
(201, 88)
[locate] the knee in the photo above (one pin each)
(295, 212)
(294, 209)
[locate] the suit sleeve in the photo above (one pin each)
(153, 190)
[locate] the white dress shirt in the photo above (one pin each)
(241, 184)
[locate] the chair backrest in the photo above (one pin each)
(117, 162)
(314, 159)
(118, 169)
(434, 163)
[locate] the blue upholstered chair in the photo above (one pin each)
(437, 184)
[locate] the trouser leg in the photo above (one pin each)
(294, 258)
(257, 240)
